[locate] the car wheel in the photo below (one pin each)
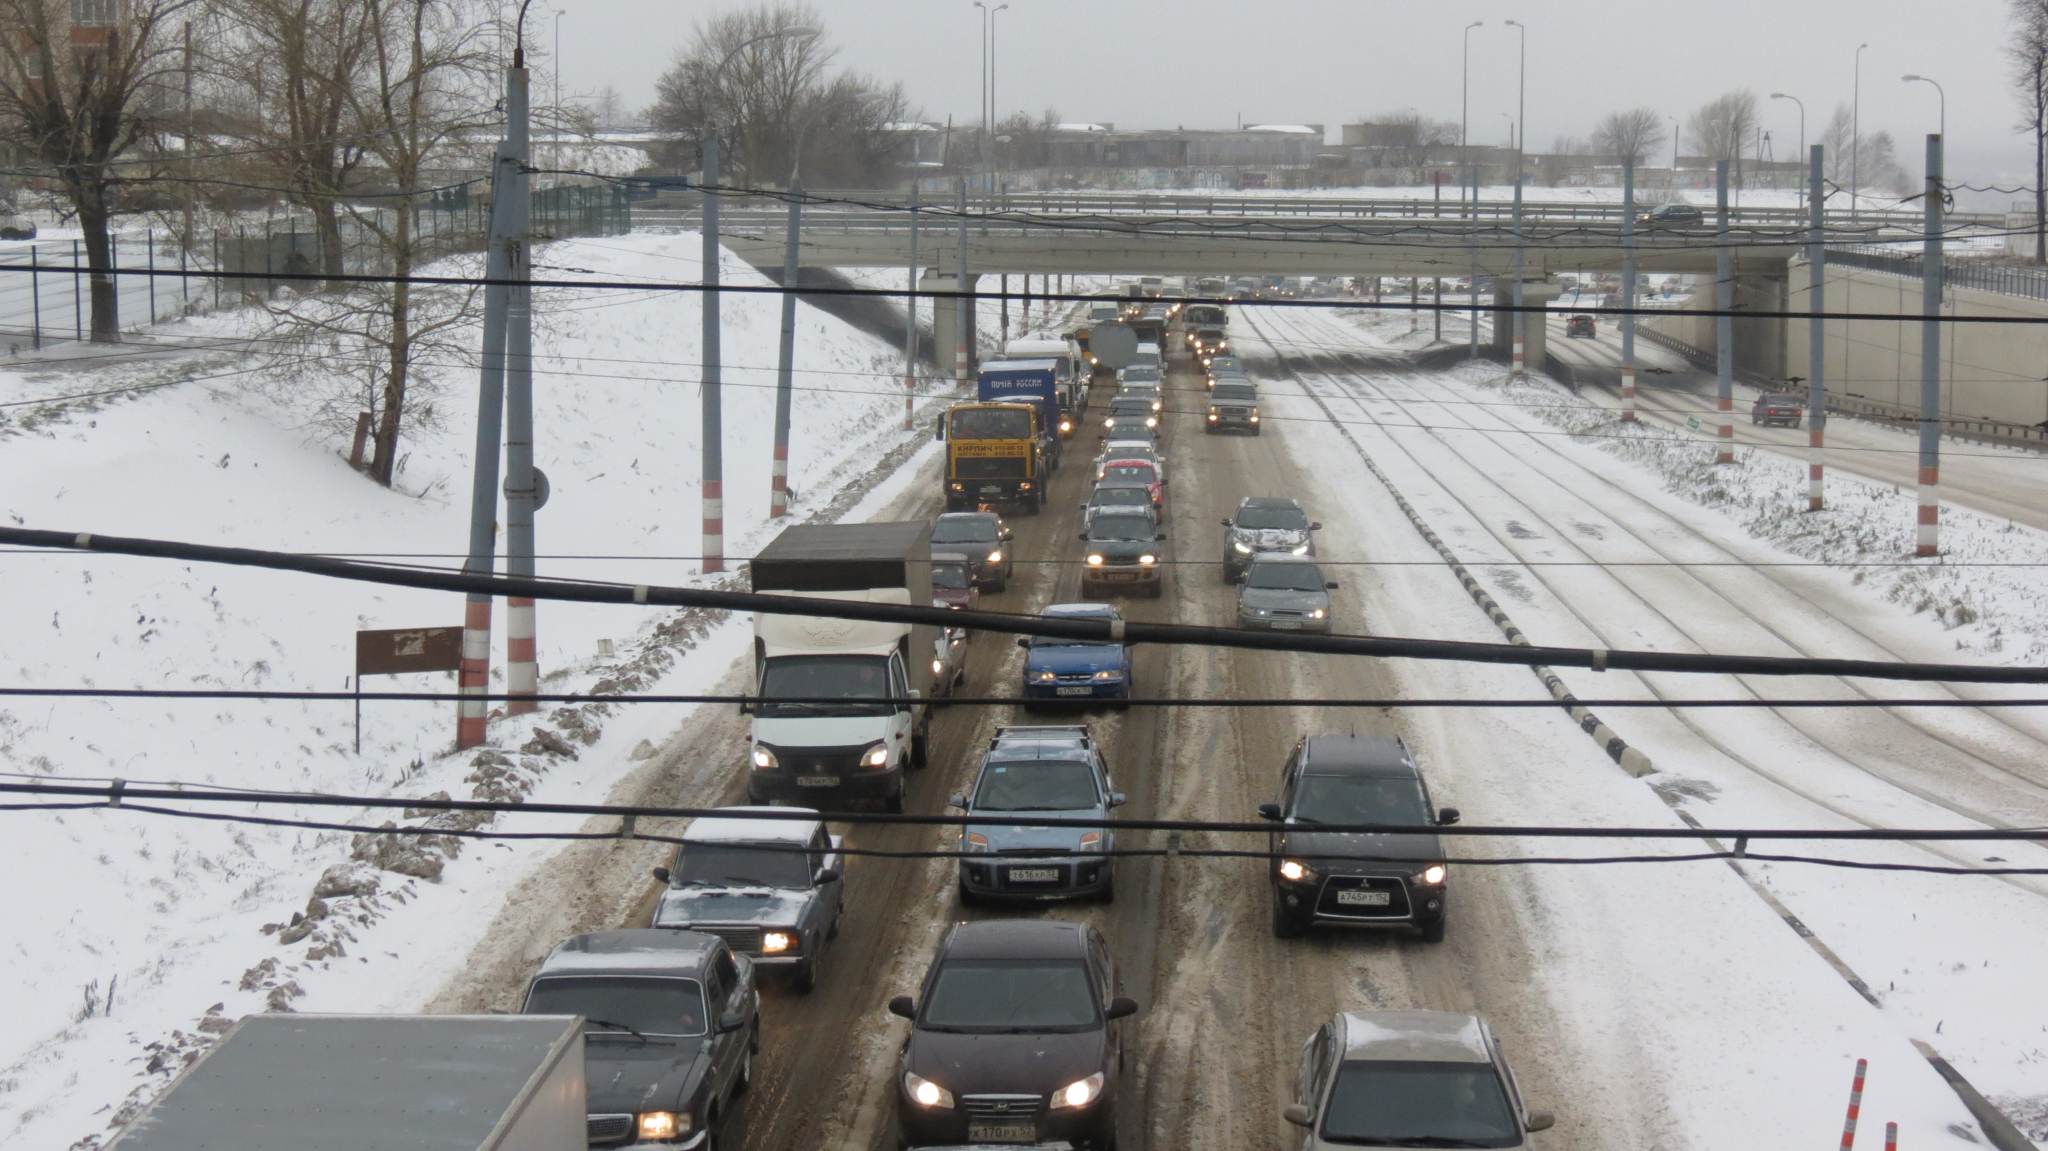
(1286, 923)
(745, 1078)
(806, 979)
(920, 748)
(894, 804)
(1000, 583)
(967, 896)
(1434, 932)
(1108, 892)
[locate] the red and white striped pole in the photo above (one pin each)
(522, 665)
(714, 527)
(1855, 1106)
(1891, 1137)
(1930, 358)
(1628, 291)
(474, 678)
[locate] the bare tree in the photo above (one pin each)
(1724, 128)
(1629, 135)
(2028, 55)
(1872, 160)
(607, 109)
(760, 92)
(83, 84)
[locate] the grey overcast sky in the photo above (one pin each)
(1203, 63)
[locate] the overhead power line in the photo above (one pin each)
(587, 591)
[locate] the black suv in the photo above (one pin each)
(1581, 327)
(1355, 879)
(671, 1024)
(1016, 1038)
(981, 536)
(1672, 216)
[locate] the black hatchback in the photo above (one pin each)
(1356, 878)
(1016, 1039)
(1672, 216)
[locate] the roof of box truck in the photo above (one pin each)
(848, 541)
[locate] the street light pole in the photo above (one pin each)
(1856, 132)
(1521, 102)
(1465, 146)
(1944, 98)
(1802, 117)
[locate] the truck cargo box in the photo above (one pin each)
(847, 557)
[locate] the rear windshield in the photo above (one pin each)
(1132, 473)
(1420, 1105)
(1138, 373)
(962, 531)
(1010, 995)
(1781, 401)
(1360, 799)
(653, 1006)
(1121, 497)
(1284, 577)
(1272, 518)
(1037, 785)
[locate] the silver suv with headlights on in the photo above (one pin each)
(1265, 524)
(1233, 405)
(1281, 592)
(1356, 878)
(1409, 1079)
(770, 888)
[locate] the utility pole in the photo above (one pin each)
(1856, 134)
(1931, 272)
(185, 239)
(522, 667)
(1724, 326)
(1628, 290)
(712, 428)
(910, 319)
(1816, 350)
(962, 328)
(1465, 147)
(785, 368)
(1520, 368)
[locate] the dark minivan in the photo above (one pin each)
(1355, 879)
(1016, 1039)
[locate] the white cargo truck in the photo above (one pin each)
(825, 730)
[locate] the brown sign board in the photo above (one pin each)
(403, 650)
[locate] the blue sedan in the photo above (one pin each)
(1076, 670)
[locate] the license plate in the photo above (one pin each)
(1076, 691)
(1034, 875)
(817, 781)
(1002, 1133)
(1287, 624)
(1121, 575)
(991, 490)
(1365, 898)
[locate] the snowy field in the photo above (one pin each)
(1642, 547)
(152, 932)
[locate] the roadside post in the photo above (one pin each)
(910, 319)
(1929, 540)
(1724, 326)
(1855, 1090)
(402, 651)
(1816, 349)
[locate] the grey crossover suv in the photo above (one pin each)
(1409, 1079)
(1356, 878)
(1052, 772)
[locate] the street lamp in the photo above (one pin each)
(712, 428)
(1944, 99)
(1856, 132)
(1465, 88)
(1802, 117)
(988, 80)
(1522, 98)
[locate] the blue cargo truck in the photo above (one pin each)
(1034, 382)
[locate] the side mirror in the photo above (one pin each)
(746, 709)
(959, 801)
(939, 431)
(915, 693)
(1540, 1121)
(1008, 535)
(1082, 535)
(731, 1023)
(825, 875)
(1332, 585)
(1448, 816)
(1225, 523)
(1316, 527)
(903, 1005)
(1297, 1114)
(1023, 641)
(1120, 1007)
(661, 873)
(1270, 811)
(1118, 799)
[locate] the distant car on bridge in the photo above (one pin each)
(1672, 216)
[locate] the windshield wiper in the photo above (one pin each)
(620, 1026)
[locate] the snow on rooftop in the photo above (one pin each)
(1080, 127)
(1297, 129)
(735, 828)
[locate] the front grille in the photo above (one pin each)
(1032, 851)
(1396, 906)
(821, 764)
(607, 1128)
(1001, 1108)
(1285, 613)
(1078, 677)
(745, 940)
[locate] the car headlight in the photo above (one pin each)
(1094, 560)
(764, 759)
(1110, 674)
(663, 1124)
(1239, 546)
(774, 941)
(1212, 416)
(938, 666)
(995, 557)
(1151, 421)
(1317, 614)
(1044, 676)
(1110, 422)
(958, 487)
(877, 756)
(1079, 1093)
(1301, 550)
(1255, 419)
(975, 841)
(1156, 405)
(1091, 841)
(924, 1092)
(1148, 559)
(1066, 425)
(1296, 871)
(1433, 874)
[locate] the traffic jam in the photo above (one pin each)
(1021, 1030)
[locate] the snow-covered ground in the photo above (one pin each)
(129, 927)
(1753, 1032)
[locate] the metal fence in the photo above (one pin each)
(2005, 279)
(53, 302)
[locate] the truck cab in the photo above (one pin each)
(842, 710)
(996, 453)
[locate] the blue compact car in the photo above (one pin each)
(1051, 773)
(1075, 670)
